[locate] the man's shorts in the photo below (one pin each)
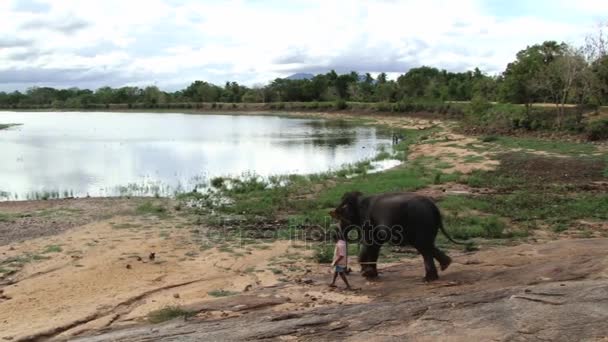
(340, 269)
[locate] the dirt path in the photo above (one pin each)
(556, 291)
(23, 220)
(101, 273)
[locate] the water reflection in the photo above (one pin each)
(100, 153)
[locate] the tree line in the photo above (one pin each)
(549, 72)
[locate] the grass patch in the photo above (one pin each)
(167, 313)
(324, 253)
(225, 249)
(443, 165)
(551, 146)
(6, 217)
(19, 261)
(52, 249)
(469, 226)
(125, 226)
(489, 138)
(472, 158)
(276, 271)
(5, 126)
(149, 208)
(221, 293)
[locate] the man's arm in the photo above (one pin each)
(337, 259)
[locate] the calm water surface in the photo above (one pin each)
(109, 154)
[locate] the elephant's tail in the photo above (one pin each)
(444, 231)
(448, 235)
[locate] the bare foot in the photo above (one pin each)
(332, 285)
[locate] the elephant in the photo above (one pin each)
(402, 218)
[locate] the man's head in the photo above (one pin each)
(337, 235)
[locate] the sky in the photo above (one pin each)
(170, 43)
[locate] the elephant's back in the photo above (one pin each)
(403, 207)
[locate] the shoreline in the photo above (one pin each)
(354, 169)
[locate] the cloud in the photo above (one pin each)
(173, 42)
(32, 6)
(65, 78)
(65, 25)
(14, 42)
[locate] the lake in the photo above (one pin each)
(77, 154)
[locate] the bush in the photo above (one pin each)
(597, 130)
(479, 105)
(489, 138)
(341, 105)
(166, 314)
(324, 254)
(217, 182)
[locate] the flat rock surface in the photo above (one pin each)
(556, 291)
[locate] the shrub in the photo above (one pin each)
(479, 105)
(217, 182)
(324, 253)
(489, 138)
(150, 208)
(221, 293)
(341, 105)
(167, 313)
(597, 130)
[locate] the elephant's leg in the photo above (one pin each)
(429, 266)
(368, 257)
(442, 258)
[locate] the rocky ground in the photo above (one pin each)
(552, 292)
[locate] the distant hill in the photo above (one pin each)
(300, 76)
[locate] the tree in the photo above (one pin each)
(596, 55)
(559, 77)
(519, 83)
(382, 78)
(200, 91)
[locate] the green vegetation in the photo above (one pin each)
(221, 293)
(5, 126)
(532, 189)
(5, 217)
(13, 264)
(167, 313)
(150, 208)
(597, 130)
(52, 249)
(551, 146)
(324, 253)
(125, 226)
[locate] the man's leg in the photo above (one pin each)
(333, 282)
(343, 276)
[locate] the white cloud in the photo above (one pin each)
(174, 42)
